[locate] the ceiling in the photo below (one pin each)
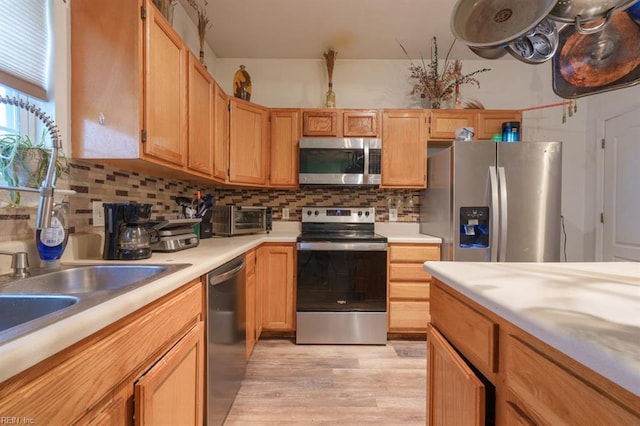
(304, 29)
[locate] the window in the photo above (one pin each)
(26, 43)
(25, 56)
(16, 120)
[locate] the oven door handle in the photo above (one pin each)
(341, 246)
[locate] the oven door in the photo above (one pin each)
(342, 277)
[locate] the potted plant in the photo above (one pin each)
(24, 163)
(439, 84)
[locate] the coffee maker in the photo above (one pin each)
(126, 231)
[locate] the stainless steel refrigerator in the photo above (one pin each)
(495, 201)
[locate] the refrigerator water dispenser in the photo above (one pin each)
(474, 227)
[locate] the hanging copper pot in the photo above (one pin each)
(591, 63)
(580, 12)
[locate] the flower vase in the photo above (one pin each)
(242, 84)
(436, 103)
(330, 100)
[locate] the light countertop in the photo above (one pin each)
(588, 311)
(21, 353)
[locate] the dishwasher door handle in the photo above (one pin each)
(215, 279)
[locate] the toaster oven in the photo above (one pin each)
(240, 220)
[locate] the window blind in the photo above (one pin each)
(25, 46)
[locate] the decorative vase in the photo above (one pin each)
(435, 103)
(242, 84)
(330, 100)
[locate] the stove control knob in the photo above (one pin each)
(359, 213)
(366, 214)
(308, 212)
(316, 212)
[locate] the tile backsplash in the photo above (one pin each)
(97, 182)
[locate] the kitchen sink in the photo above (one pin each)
(88, 279)
(16, 309)
(47, 296)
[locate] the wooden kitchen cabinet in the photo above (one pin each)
(444, 122)
(456, 395)
(526, 381)
(128, 87)
(341, 123)
(490, 122)
(172, 391)
(486, 123)
(276, 274)
(404, 149)
(200, 152)
(318, 122)
(408, 287)
(221, 138)
(543, 391)
(93, 381)
(284, 143)
(360, 123)
(248, 143)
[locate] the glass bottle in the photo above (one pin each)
(330, 101)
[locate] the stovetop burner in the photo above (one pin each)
(339, 224)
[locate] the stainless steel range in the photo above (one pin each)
(342, 278)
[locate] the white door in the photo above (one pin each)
(621, 231)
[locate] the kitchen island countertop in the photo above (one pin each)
(588, 311)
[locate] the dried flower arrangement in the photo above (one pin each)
(439, 85)
(203, 23)
(330, 58)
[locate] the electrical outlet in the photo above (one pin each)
(393, 215)
(285, 213)
(98, 213)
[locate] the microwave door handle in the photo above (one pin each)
(365, 177)
(502, 256)
(493, 213)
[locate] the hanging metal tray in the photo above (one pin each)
(586, 64)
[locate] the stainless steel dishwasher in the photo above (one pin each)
(226, 339)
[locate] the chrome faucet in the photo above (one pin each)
(19, 263)
(45, 202)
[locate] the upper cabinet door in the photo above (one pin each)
(404, 149)
(490, 122)
(321, 123)
(201, 119)
(248, 143)
(221, 139)
(360, 123)
(165, 83)
(445, 122)
(284, 143)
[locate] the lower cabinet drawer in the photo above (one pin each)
(547, 393)
(409, 290)
(414, 253)
(408, 271)
(408, 315)
(475, 335)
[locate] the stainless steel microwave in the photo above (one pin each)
(240, 220)
(340, 161)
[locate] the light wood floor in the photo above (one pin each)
(289, 384)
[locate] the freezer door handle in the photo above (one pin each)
(493, 187)
(502, 248)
